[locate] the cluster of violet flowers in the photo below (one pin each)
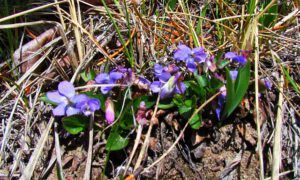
(168, 82)
(69, 103)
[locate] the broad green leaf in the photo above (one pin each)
(196, 121)
(75, 124)
(115, 141)
(236, 89)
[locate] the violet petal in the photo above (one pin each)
(191, 65)
(114, 76)
(182, 53)
(72, 111)
(56, 97)
(230, 55)
(60, 110)
(102, 78)
(66, 88)
(155, 86)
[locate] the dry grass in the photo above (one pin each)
(33, 143)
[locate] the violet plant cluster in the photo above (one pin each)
(168, 81)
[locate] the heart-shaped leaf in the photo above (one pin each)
(75, 124)
(115, 141)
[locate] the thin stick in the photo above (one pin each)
(30, 11)
(181, 133)
(277, 136)
(258, 120)
(135, 146)
(88, 166)
(58, 153)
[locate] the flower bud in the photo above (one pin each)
(109, 111)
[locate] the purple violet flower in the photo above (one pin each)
(111, 78)
(87, 105)
(235, 57)
(190, 56)
(109, 111)
(169, 87)
(65, 97)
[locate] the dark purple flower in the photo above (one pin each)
(221, 101)
(190, 56)
(87, 105)
(235, 57)
(110, 78)
(234, 74)
(65, 97)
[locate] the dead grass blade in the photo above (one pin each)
(277, 136)
(28, 171)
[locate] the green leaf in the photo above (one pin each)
(166, 106)
(115, 141)
(236, 89)
(196, 121)
(184, 109)
(269, 18)
(87, 76)
(215, 84)
(291, 80)
(75, 124)
(172, 4)
(201, 80)
(251, 6)
(178, 99)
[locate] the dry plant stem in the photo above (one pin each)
(88, 166)
(181, 133)
(28, 171)
(26, 75)
(77, 33)
(136, 143)
(147, 139)
(30, 11)
(277, 136)
(60, 15)
(258, 120)
(8, 126)
(58, 153)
